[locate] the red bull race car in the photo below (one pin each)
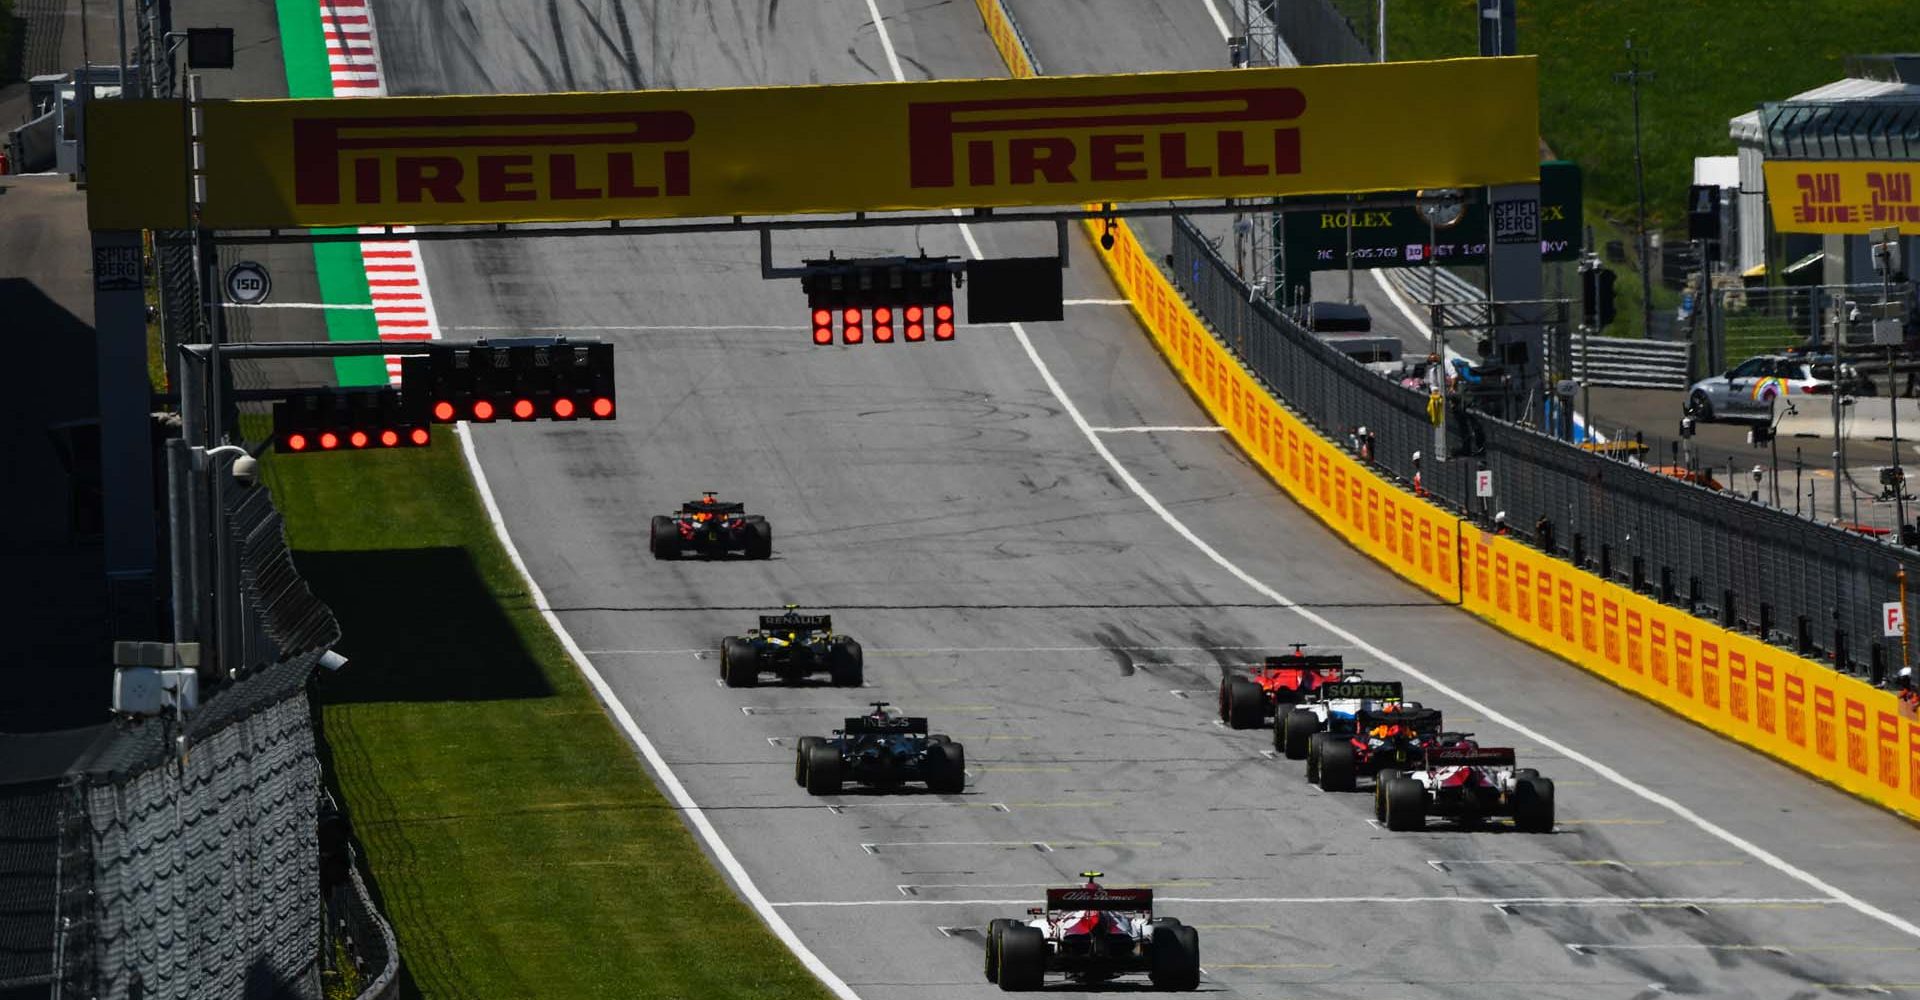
(1389, 739)
(710, 527)
(1469, 783)
(1248, 700)
(1092, 934)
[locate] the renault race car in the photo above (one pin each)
(1470, 783)
(883, 750)
(793, 646)
(1093, 934)
(1390, 740)
(1330, 709)
(710, 527)
(1248, 700)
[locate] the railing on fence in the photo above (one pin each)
(1742, 563)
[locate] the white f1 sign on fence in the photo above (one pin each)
(1483, 483)
(1893, 619)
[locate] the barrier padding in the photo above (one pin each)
(1830, 725)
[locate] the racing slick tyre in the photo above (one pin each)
(1023, 957)
(1242, 704)
(1700, 407)
(846, 663)
(1175, 958)
(1406, 805)
(739, 664)
(1338, 763)
(939, 740)
(995, 928)
(759, 538)
(1380, 798)
(664, 542)
(1293, 731)
(1525, 772)
(1533, 805)
(823, 770)
(950, 775)
(807, 743)
(1313, 757)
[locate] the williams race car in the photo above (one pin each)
(1388, 741)
(1331, 709)
(709, 527)
(1093, 934)
(882, 750)
(1248, 700)
(1469, 783)
(794, 646)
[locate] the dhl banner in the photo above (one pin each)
(1843, 196)
(857, 147)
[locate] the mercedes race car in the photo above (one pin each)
(1469, 783)
(1331, 709)
(882, 750)
(1389, 740)
(709, 527)
(1248, 700)
(793, 646)
(1092, 934)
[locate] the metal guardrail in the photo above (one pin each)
(1632, 364)
(1741, 563)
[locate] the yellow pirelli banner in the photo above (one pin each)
(1843, 196)
(862, 147)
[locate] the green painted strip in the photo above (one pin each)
(342, 274)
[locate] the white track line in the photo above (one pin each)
(1553, 901)
(1218, 21)
(1095, 302)
(1159, 430)
(299, 305)
(668, 780)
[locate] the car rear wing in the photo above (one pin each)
(1320, 662)
(702, 507)
(1062, 900)
(1477, 757)
(795, 623)
(912, 725)
(1368, 690)
(1425, 721)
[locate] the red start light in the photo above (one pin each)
(297, 442)
(916, 332)
(389, 438)
(443, 411)
(943, 312)
(563, 407)
(822, 317)
(913, 314)
(850, 334)
(329, 441)
(523, 409)
(421, 436)
(883, 334)
(883, 315)
(823, 335)
(482, 410)
(851, 317)
(358, 439)
(603, 407)
(943, 331)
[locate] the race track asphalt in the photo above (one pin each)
(945, 505)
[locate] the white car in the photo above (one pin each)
(1470, 783)
(1332, 709)
(1093, 934)
(1748, 390)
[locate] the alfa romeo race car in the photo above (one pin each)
(710, 527)
(794, 646)
(1391, 740)
(1469, 783)
(1330, 709)
(1093, 934)
(1248, 700)
(883, 750)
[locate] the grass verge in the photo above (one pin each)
(517, 844)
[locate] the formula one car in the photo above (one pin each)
(794, 646)
(1469, 783)
(1330, 709)
(709, 527)
(1392, 739)
(882, 750)
(1093, 934)
(1248, 700)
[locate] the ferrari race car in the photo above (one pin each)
(1093, 934)
(1331, 709)
(794, 646)
(1392, 739)
(709, 527)
(882, 750)
(1248, 700)
(1469, 783)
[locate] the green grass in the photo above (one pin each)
(514, 839)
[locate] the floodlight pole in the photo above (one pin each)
(1632, 78)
